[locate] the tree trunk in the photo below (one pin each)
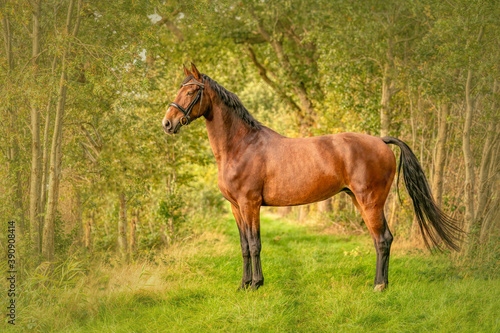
(468, 157)
(36, 163)
(45, 171)
(7, 40)
(284, 211)
(412, 121)
(88, 230)
(77, 213)
(151, 228)
(440, 158)
(484, 184)
(304, 212)
(14, 166)
(122, 227)
(325, 206)
(388, 90)
(385, 119)
(491, 219)
(165, 239)
(492, 136)
(54, 174)
(491, 216)
(336, 204)
(45, 160)
(18, 195)
(14, 171)
(171, 231)
(470, 222)
(56, 150)
(133, 227)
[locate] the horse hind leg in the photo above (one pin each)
(374, 218)
(382, 239)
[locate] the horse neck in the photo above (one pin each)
(225, 130)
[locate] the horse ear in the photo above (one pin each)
(186, 71)
(195, 71)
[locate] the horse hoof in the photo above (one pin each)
(256, 285)
(379, 287)
(244, 286)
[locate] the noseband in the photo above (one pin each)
(185, 120)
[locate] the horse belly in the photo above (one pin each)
(298, 186)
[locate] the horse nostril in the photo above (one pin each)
(167, 124)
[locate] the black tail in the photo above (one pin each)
(428, 213)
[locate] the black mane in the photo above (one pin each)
(232, 101)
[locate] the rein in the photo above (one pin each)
(185, 120)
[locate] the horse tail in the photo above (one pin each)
(434, 224)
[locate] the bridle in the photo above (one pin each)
(185, 120)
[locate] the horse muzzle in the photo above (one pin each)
(170, 127)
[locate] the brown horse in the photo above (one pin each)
(259, 167)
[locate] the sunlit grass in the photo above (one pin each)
(313, 282)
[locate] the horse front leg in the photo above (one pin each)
(250, 212)
(245, 250)
(255, 247)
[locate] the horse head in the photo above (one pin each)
(191, 102)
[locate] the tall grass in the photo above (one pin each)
(315, 282)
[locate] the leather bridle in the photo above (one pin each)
(186, 119)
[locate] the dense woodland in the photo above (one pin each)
(85, 167)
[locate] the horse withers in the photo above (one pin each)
(259, 167)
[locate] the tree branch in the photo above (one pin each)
(171, 26)
(263, 74)
(307, 111)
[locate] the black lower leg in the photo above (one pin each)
(255, 247)
(379, 279)
(383, 247)
(387, 252)
(247, 272)
(258, 278)
(247, 262)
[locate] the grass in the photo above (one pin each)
(314, 282)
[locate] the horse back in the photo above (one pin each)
(304, 170)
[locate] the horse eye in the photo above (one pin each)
(189, 93)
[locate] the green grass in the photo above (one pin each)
(314, 282)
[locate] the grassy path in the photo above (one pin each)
(313, 283)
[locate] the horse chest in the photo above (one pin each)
(226, 183)
(236, 183)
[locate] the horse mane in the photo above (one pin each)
(233, 102)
